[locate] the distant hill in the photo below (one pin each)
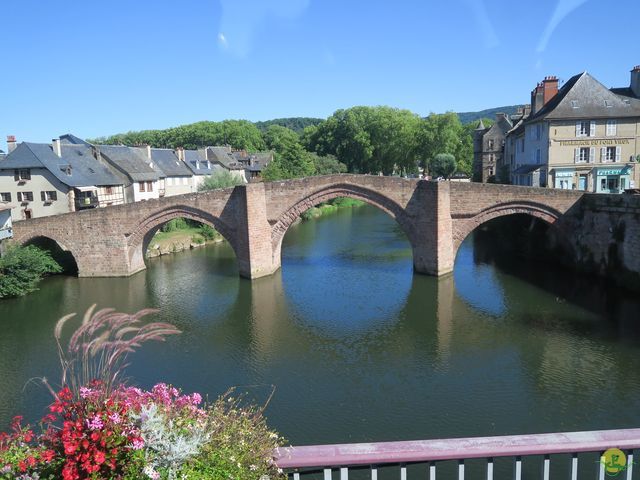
(468, 117)
(297, 124)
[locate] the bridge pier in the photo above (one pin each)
(432, 240)
(254, 249)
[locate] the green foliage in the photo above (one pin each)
(208, 232)
(327, 164)
(443, 165)
(240, 134)
(197, 239)
(346, 202)
(21, 268)
(220, 179)
(297, 124)
(290, 159)
(174, 225)
(368, 139)
(443, 133)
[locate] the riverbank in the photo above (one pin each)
(166, 243)
(331, 206)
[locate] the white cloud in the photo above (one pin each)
(563, 8)
(241, 18)
(222, 41)
(484, 22)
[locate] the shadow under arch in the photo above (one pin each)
(371, 197)
(140, 238)
(549, 215)
(59, 251)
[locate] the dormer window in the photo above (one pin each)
(208, 165)
(574, 104)
(197, 165)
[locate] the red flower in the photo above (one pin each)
(99, 457)
(48, 455)
(28, 436)
(70, 448)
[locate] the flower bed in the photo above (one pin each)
(103, 430)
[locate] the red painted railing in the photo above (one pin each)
(297, 460)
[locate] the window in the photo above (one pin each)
(50, 196)
(612, 127)
(141, 184)
(149, 186)
(5, 197)
(586, 128)
(25, 196)
(108, 190)
(22, 175)
(490, 144)
(185, 180)
(582, 154)
(26, 214)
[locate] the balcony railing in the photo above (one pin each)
(428, 454)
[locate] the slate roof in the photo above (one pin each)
(72, 140)
(85, 170)
(582, 96)
(132, 161)
(191, 157)
(167, 161)
(224, 157)
(524, 169)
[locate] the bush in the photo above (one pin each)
(197, 239)
(443, 165)
(175, 225)
(208, 232)
(21, 268)
(220, 179)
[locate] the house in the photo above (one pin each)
(223, 156)
(489, 147)
(135, 166)
(48, 179)
(582, 136)
(253, 163)
(199, 165)
(178, 179)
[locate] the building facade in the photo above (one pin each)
(580, 137)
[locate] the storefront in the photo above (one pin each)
(614, 180)
(564, 178)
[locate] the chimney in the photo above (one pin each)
(635, 81)
(11, 143)
(549, 88)
(149, 151)
(537, 98)
(57, 147)
(500, 116)
(180, 153)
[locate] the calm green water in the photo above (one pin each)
(357, 347)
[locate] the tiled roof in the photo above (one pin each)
(524, 169)
(582, 96)
(132, 161)
(77, 167)
(167, 161)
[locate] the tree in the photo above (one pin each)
(327, 165)
(220, 179)
(21, 268)
(290, 159)
(443, 165)
(443, 133)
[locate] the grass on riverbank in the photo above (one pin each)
(331, 207)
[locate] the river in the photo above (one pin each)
(357, 347)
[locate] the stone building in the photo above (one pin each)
(488, 148)
(583, 136)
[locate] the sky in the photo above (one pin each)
(96, 68)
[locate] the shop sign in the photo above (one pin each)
(613, 171)
(564, 173)
(593, 143)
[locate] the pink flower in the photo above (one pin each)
(95, 423)
(115, 418)
(137, 444)
(196, 398)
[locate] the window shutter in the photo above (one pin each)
(16, 175)
(618, 154)
(592, 154)
(42, 196)
(54, 195)
(603, 154)
(576, 155)
(592, 128)
(19, 196)
(578, 129)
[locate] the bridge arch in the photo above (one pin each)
(138, 241)
(64, 255)
(463, 227)
(329, 192)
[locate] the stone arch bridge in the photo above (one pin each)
(435, 216)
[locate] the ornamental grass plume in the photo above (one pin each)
(98, 349)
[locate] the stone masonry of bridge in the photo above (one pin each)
(435, 216)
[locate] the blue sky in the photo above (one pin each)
(96, 68)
